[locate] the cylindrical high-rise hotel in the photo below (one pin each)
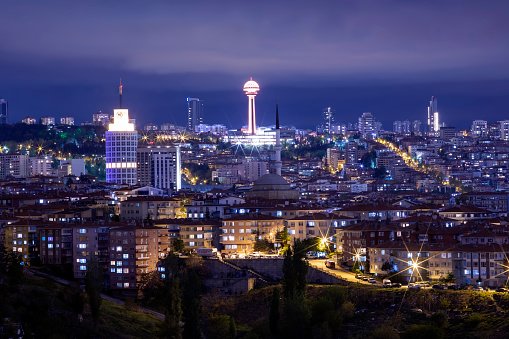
(251, 88)
(121, 144)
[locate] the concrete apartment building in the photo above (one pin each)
(199, 234)
(56, 248)
(133, 251)
(239, 233)
(155, 207)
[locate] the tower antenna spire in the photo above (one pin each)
(277, 116)
(120, 92)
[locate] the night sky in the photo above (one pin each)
(387, 57)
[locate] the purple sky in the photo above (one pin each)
(388, 57)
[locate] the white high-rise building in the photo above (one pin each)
(328, 119)
(367, 125)
(41, 165)
(504, 129)
(159, 166)
(194, 113)
(433, 123)
(479, 128)
(121, 144)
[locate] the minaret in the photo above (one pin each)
(120, 93)
(278, 143)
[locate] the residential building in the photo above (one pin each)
(239, 234)
(69, 121)
(101, 119)
(328, 119)
(479, 128)
(433, 122)
(29, 121)
(133, 252)
(151, 207)
(14, 165)
(41, 165)
(48, 121)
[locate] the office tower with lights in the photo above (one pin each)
(251, 88)
(121, 144)
(328, 119)
(433, 122)
(396, 127)
(159, 166)
(194, 113)
(4, 109)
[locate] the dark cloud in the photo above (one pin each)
(61, 57)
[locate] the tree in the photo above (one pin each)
(283, 239)
(219, 327)
(274, 311)
(380, 172)
(93, 286)
(262, 245)
(172, 292)
(11, 266)
(151, 285)
(296, 313)
(191, 304)
(178, 245)
(387, 266)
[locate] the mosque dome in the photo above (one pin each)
(270, 180)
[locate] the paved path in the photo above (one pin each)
(104, 296)
(338, 271)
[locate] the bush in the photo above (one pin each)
(423, 332)
(384, 332)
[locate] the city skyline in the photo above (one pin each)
(400, 57)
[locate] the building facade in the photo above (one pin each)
(159, 166)
(121, 144)
(194, 113)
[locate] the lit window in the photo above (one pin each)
(83, 268)
(119, 270)
(119, 263)
(191, 243)
(119, 248)
(126, 270)
(80, 245)
(126, 285)
(50, 238)
(82, 230)
(20, 235)
(125, 256)
(112, 270)
(50, 245)
(112, 263)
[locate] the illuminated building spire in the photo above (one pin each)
(120, 92)
(251, 88)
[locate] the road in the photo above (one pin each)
(338, 271)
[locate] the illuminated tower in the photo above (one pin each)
(251, 88)
(121, 144)
(433, 125)
(194, 113)
(277, 148)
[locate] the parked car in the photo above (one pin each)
(478, 288)
(372, 281)
(387, 283)
(330, 264)
(365, 278)
(358, 276)
(439, 287)
(502, 289)
(453, 287)
(414, 286)
(423, 283)
(396, 285)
